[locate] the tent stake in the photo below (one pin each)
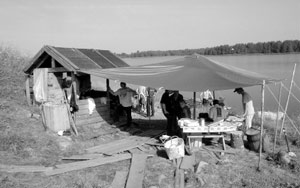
(277, 121)
(287, 101)
(261, 122)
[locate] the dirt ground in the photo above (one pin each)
(23, 141)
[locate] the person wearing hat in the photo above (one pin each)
(247, 107)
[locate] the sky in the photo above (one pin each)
(126, 26)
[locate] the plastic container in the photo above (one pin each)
(174, 148)
(202, 122)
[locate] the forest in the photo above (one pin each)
(273, 47)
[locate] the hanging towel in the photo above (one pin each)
(40, 84)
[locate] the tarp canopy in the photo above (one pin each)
(190, 73)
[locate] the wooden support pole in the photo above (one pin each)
(107, 93)
(108, 98)
(287, 101)
(195, 105)
(27, 90)
(107, 86)
(75, 93)
(261, 122)
(148, 103)
(277, 120)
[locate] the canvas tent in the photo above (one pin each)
(190, 73)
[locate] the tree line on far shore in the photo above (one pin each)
(273, 47)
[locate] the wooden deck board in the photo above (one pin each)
(119, 180)
(86, 164)
(14, 168)
(125, 144)
(136, 173)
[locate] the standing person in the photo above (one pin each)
(247, 106)
(175, 98)
(165, 103)
(151, 101)
(125, 94)
(141, 92)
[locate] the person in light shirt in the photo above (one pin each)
(247, 107)
(125, 95)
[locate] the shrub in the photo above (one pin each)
(12, 64)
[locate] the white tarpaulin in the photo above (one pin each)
(190, 73)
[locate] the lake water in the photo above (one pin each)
(277, 66)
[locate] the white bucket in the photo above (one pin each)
(174, 148)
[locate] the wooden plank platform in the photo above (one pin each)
(86, 164)
(136, 173)
(97, 110)
(117, 146)
(14, 168)
(84, 156)
(119, 180)
(97, 100)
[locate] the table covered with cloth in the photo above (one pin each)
(230, 124)
(192, 129)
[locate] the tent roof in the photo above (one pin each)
(75, 59)
(190, 73)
